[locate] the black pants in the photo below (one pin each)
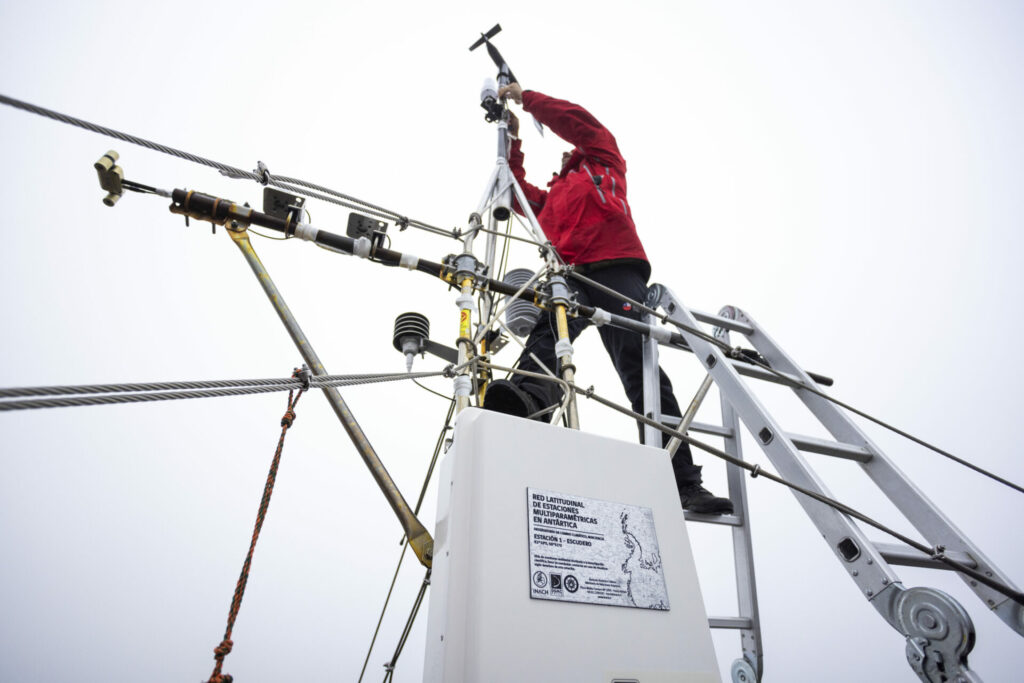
(625, 349)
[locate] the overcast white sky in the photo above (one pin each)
(849, 173)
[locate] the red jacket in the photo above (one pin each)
(584, 212)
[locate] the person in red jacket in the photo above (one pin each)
(586, 216)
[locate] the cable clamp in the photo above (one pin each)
(601, 317)
(589, 393)
(756, 470)
(938, 552)
(402, 222)
(303, 375)
(263, 172)
(449, 370)
(563, 347)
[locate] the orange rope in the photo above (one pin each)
(222, 650)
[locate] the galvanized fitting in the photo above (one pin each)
(558, 291)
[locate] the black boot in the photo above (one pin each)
(504, 397)
(696, 498)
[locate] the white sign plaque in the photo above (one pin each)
(595, 551)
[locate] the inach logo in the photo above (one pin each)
(540, 579)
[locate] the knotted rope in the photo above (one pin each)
(222, 650)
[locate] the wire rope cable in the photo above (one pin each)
(105, 394)
(389, 668)
(263, 176)
(405, 546)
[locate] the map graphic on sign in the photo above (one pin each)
(593, 551)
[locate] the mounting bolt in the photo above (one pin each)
(869, 593)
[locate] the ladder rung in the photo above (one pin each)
(825, 447)
(728, 520)
(757, 372)
(701, 427)
(904, 555)
(730, 622)
(719, 321)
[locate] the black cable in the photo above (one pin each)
(800, 385)
(756, 471)
(435, 393)
(796, 384)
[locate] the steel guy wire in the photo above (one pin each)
(936, 553)
(797, 384)
(389, 667)
(383, 611)
(405, 546)
(264, 178)
(139, 393)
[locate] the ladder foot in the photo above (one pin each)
(940, 635)
(743, 672)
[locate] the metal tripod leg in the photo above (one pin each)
(419, 539)
(748, 668)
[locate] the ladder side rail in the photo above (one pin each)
(742, 549)
(742, 546)
(874, 577)
(933, 525)
(652, 387)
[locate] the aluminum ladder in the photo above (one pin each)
(939, 632)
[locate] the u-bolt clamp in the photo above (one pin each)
(558, 292)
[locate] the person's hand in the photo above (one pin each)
(513, 90)
(513, 124)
